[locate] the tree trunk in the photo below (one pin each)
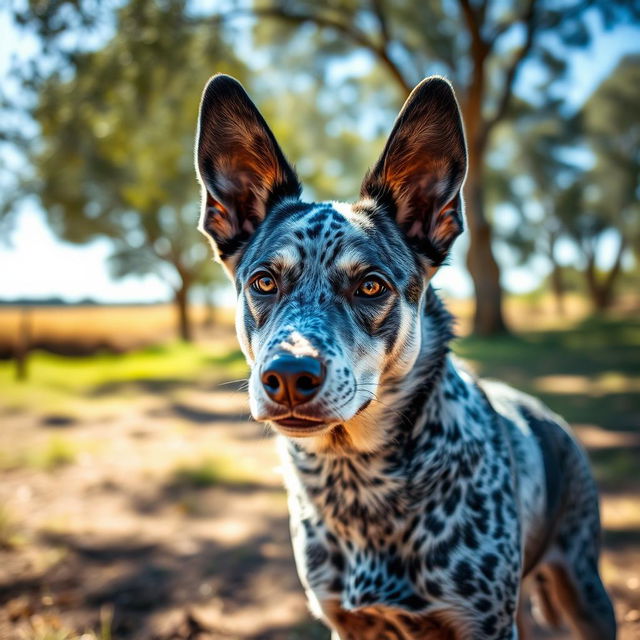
(481, 263)
(23, 343)
(488, 317)
(557, 286)
(601, 293)
(483, 268)
(185, 328)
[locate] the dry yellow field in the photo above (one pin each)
(79, 330)
(83, 330)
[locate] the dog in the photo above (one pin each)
(419, 496)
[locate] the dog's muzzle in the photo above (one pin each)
(293, 380)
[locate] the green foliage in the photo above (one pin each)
(611, 124)
(117, 139)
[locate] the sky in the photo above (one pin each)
(36, 264)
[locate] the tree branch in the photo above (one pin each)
(382, 20)
(471, 17)
(529, 18)
(349, 30)
(474, 21)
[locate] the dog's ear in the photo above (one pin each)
(422, 168)
(241, 168)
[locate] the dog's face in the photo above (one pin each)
(329, 294)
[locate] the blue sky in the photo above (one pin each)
(34, 263)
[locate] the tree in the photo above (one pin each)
(117, 123)
(534, 175)
(582, 172)
(482, 47)
(611, 190)
(115, 154)
(602, 203)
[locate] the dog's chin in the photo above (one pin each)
(301, 427)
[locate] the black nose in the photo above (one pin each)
(293, 380)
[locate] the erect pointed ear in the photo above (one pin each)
(422, 168)
(241, 168)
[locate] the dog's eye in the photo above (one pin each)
(265, 284)
(370, 287)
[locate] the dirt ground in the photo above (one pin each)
(165, 519)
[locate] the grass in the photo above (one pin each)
(595, 367)
(57, 452)
(49, 627)
(212, 471)
(58, 384)
(54, 453)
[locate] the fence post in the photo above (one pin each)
(23, 343)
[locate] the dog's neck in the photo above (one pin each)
(428, 442)
(409, 417)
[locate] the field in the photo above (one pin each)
(138, 501)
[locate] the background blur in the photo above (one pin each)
(137, 500)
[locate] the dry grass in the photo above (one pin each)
(49, 627)
(84, 330)
(81, 330)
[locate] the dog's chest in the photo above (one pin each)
(357, 499)
(374, 530)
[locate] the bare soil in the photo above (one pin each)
(136, 531)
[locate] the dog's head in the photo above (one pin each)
(330, 295)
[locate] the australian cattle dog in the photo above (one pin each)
(420, 496)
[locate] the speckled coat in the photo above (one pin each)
(420, 497)
(430, 535)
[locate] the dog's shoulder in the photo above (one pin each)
(530, 418)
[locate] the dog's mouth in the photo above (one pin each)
(299, 423)
(294, 426)
(298, 426)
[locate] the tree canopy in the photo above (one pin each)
(115, 89)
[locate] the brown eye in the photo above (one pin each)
(370, 288)
(264, 284)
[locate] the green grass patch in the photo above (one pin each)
(56, 452)
(55, 382)
(597, 349)
(211, 472)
